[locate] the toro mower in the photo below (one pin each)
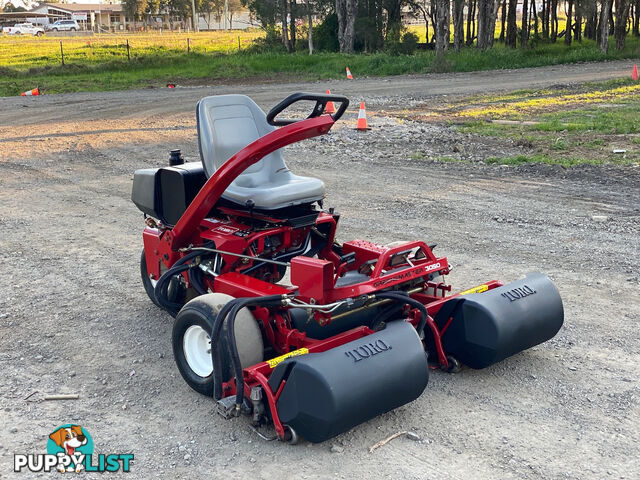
(276, 319)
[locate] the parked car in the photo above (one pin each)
(64, 26)
(24, 29)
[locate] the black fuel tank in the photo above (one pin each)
(328, 393)
(491, 326)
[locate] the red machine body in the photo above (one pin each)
(356, 270)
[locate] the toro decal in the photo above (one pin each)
(368, 350)
(518, 293)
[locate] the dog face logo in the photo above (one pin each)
(71, 443)
(69, 438)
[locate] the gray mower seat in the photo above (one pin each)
(227, 124)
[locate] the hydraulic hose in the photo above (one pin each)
(403, 297)
(216, 358)
(163, 283)
(195, 277)
(267, 301)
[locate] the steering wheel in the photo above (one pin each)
(321, 100)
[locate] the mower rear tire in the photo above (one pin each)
(192, 342)
(147, 283)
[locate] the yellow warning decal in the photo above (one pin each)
(275, 361)
(478, 289)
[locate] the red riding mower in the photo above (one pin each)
(343, 338)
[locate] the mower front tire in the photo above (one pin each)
(192, 342)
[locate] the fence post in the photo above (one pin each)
(61, 53)
(128, 55)
(238, 42)
(188, 46)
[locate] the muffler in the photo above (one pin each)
(485, 328)
(328, 393)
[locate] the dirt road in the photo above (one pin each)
(75, 319)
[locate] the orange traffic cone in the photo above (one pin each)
(330, 108)
(362, 118)
(28, 93)
(349, 76)
(634, 75)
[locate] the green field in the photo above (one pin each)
(588, 124)
(101, 63)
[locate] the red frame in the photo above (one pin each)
(316, 277)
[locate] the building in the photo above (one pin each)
(99, 17)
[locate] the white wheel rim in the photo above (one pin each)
(196, 344)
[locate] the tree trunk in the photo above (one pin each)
(591, 25)
(471, 15)
(346, 11)
(486, 23)
(603, 39)
(611, 19)
(285, 28)
(553, 18)
(349, 30)
(292, 23)
(442, 40)
(545, 18)
(512, 26)
(577, 24)
(636, 18)
(503, 20)
(622, 16)
(568, 30)
(495, 5)
(310, 34)
(534, 15)
(524, 34)
(458, 24)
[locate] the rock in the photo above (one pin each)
(182, 448)
(335, 448)
(187, 456)
(572, 368)
(14, 430)
(413, 436)
(599, 218)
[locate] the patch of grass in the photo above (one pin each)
(558, 144)
(619, 120)
(547, 159)
(595, 143)
(100, 63)
(485, 128)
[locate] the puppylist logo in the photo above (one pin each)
(70, 449)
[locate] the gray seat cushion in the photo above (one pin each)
(227, 124)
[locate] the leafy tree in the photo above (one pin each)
(9, 8)
(135, 8)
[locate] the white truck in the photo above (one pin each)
(24, 29)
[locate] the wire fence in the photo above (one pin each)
(22, 53)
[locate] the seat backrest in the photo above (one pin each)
(227, 124)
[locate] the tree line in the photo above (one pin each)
(369, 25)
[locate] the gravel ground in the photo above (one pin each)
(75, 319)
